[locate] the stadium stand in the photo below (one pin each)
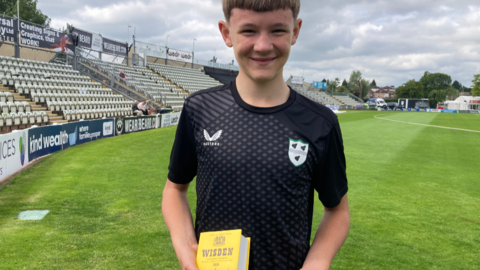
(347, 100)
(222, 75)
(138, 77)
(326, 97)
(28, 86)
(190, 80)
(320, 97)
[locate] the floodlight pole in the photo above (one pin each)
(166, 50)
(100, 53)
(133, 55)
(128, 34)
(128, 39)
(193, 52)
(17, 45)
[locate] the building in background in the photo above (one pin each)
(382, 92)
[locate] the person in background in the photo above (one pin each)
(142, 107)
(147, 105)
(151, 111)
(122, 75)
(135, 109)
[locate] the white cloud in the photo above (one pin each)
(389, 41)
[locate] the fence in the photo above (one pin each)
(22, 146)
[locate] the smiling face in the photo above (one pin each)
(261, 41)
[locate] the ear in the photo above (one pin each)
(296, 30)
(225, 31)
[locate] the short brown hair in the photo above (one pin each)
(260, 6)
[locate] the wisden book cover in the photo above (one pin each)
(223, 250)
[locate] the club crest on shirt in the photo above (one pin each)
(297, 152)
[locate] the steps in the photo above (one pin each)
(167, 80)
(52, 117)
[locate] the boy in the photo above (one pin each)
(259, 150)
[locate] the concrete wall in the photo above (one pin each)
(27, 53)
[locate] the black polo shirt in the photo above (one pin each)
(257, 169)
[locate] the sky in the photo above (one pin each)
(387, 40)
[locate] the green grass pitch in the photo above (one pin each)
(414, 197)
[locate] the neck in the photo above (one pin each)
(262, 94)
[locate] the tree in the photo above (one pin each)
(457, 85)
(28, 11)
(465, 89)
(476, 85)
(435, 81)
(343, 89)
(410, 89)
(436, 96)
(333, 84)
(373, 83)
(344, 83)
(324, 80)
(451, 93)
(358, 85)
(366, 87)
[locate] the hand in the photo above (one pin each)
(319, 267)
(189, 262)
(190, 267)
(316, 265)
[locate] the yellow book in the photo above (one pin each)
(223, 250)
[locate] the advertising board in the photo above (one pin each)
(296, 80)
(89, 40)
(13, 152)
(170, 119)
(134, 124)
(43, 141)
(320, 85)
(84, 38)
(46, 38)
(8, 29)
(114, 47)
(86, 131)
(181, 56)
(151, 50)
(97, 42)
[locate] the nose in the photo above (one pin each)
(263, 44)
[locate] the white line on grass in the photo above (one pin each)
(411, 123)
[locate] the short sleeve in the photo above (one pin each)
(331, 177)
(183, 158)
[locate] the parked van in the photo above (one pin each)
(379, 102)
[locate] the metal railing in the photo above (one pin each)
(215, 65)
(112, 71)
(102, 79)
(356, 98)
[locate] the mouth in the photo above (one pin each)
(263, 61)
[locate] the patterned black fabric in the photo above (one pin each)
(256, 170)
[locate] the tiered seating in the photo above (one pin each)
(348, 101)
(14, 113)
(156, 85)
(60, 87)
(191, 80)
(320, 97)
(90, 112)
(27, 118)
